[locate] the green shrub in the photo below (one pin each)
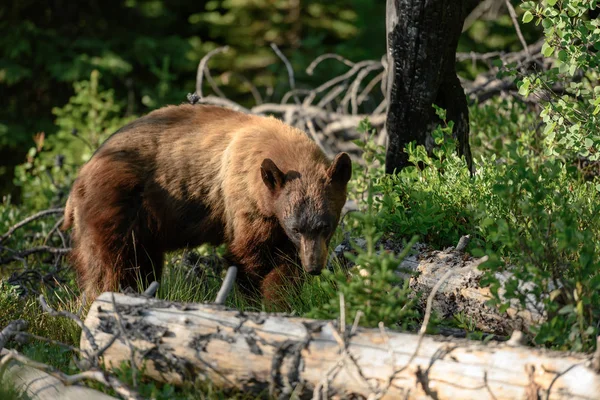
(89, 118)
(373, 286)
(569, 89)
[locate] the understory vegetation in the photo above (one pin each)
(529, 206)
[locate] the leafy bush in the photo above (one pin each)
(373, 286)
(530, 211)
(570, 118)
(89, 118)
(550, 230)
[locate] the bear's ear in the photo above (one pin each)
(340, 170)
(271, 175)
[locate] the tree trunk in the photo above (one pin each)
(421, 47)
(260, 352)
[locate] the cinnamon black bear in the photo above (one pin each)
(191, 174)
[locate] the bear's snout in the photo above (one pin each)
(313, 254)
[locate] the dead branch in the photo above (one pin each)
(380, 393)
(323, 121)
(487, 85)
(12, 329)
(20, 255)
(71, 316)
(311, 68)
(29, 219)
(513, 16)
(202, 66)
(289, 68)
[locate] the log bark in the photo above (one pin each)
(257, 352)
(422, 37)
(38, 385)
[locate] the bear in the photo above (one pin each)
(184, 175)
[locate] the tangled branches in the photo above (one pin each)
(329, 113)
(28, 279)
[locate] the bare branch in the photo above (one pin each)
(12, 329)
(218, 101)
(202, 66)
(19, 255)
(30, 219)
(123, 333)
(69, 315)
(422, 331)
(513, 16)
(290, 70)
(310, 69)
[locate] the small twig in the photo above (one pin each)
(202, 65)
(72, 316)
(332, 82)
(19, 255)
(342, 314)
(12, 329)
(218, 101)
(359, 314)
(212, 83)
(227, 285)
(352, 94)
(289, 68)
(291, 93)
(363, 95)
(513, 16)
(51, 341)
(420, 338)
(55, 229)
(30, 219)
(119, 319)
(310, 69)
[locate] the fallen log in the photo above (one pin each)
(461, 292)
(182, 342)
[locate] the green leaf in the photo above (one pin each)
(567, 309)
(527, 17)
(524, 89)
(547, 50)
(551, 3)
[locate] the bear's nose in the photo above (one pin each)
(313, 270)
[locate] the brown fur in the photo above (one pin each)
(186, 175)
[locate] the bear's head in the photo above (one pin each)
(308, 206)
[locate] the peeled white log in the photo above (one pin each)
(252, 351)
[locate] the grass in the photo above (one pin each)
(180, 282)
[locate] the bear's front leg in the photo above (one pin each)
(281, 284)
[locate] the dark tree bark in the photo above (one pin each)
(422, 36)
